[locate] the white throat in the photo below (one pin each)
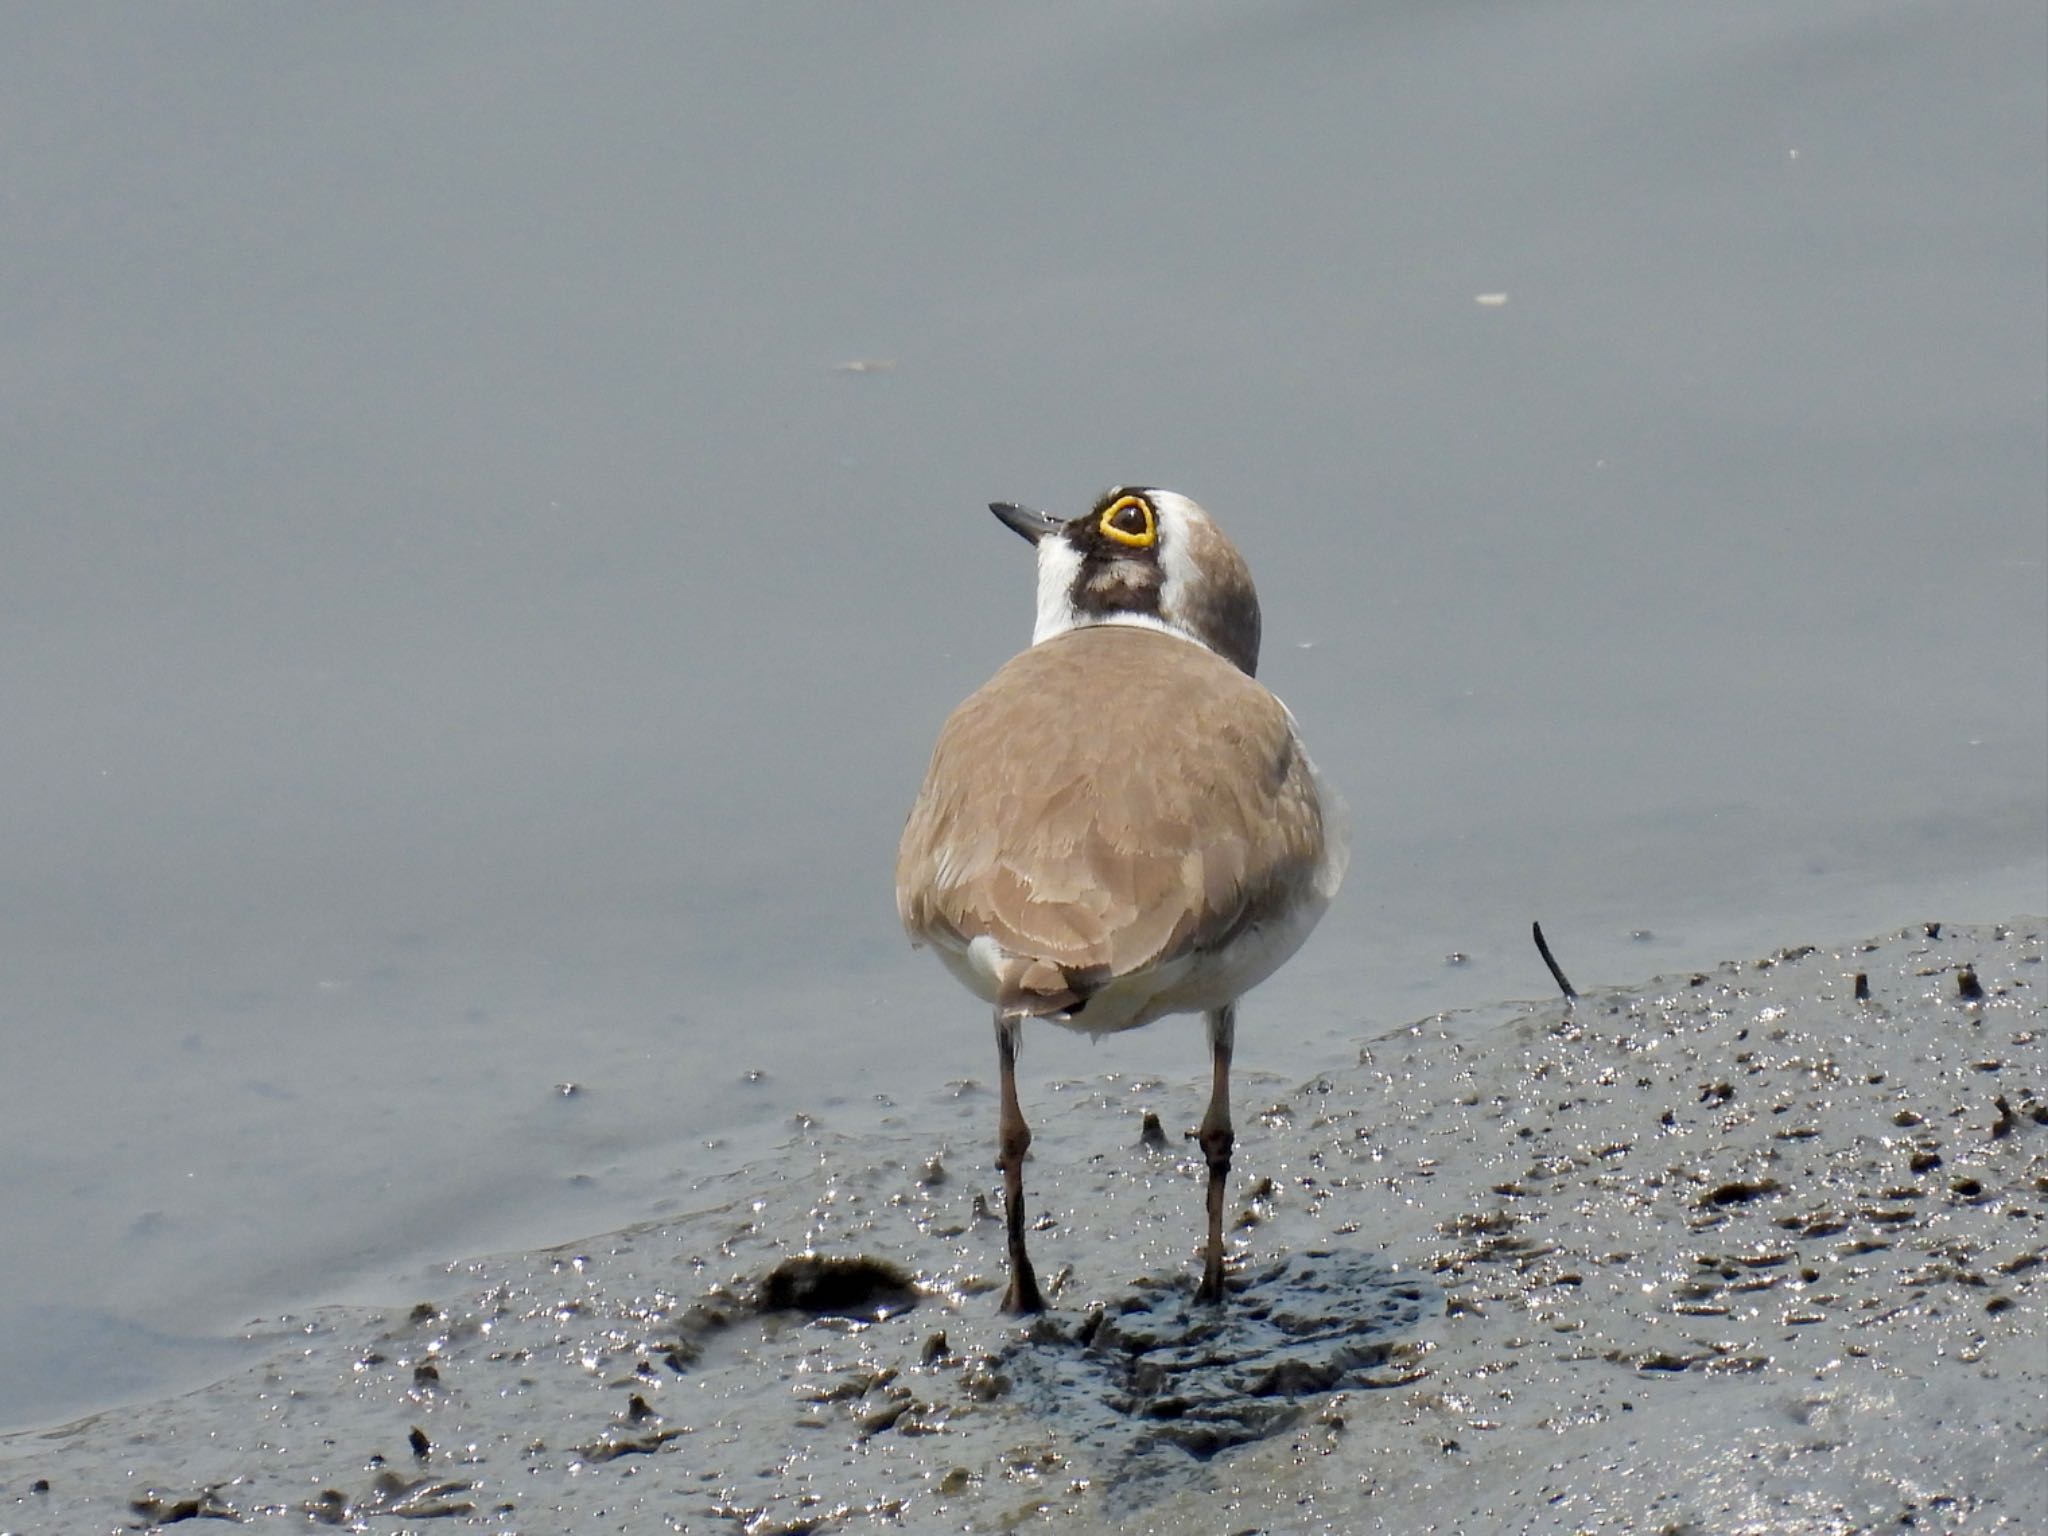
(1058, 564)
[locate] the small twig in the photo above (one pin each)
(1543, 949)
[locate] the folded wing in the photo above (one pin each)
(1111, 799)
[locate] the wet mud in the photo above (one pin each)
(1158, 1380)
(1756, 1248)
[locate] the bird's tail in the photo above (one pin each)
(1037, 989)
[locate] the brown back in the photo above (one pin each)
(1109, 799)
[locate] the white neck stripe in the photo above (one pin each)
(1058, 564)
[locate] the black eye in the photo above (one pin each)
(1129, 521)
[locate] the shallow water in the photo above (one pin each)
(468, 483)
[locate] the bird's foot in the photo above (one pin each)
(1023, 1299)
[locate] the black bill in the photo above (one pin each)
(1023, 521)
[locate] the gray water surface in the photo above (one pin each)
(493, 522)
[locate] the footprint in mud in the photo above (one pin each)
(1157, 1381)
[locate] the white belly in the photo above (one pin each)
(1194, 982)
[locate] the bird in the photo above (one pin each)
(1122, 823)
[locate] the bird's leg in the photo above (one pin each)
(1013, 1141)
(1216, 1140)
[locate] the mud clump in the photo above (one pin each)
(866, 1288)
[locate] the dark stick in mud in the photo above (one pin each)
(1543, 949)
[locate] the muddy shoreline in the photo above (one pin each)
(1755, 1248)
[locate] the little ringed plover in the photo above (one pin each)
(1121, 823)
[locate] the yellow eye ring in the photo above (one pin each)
(1144, 538)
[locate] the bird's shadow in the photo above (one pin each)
(1153, 1383)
